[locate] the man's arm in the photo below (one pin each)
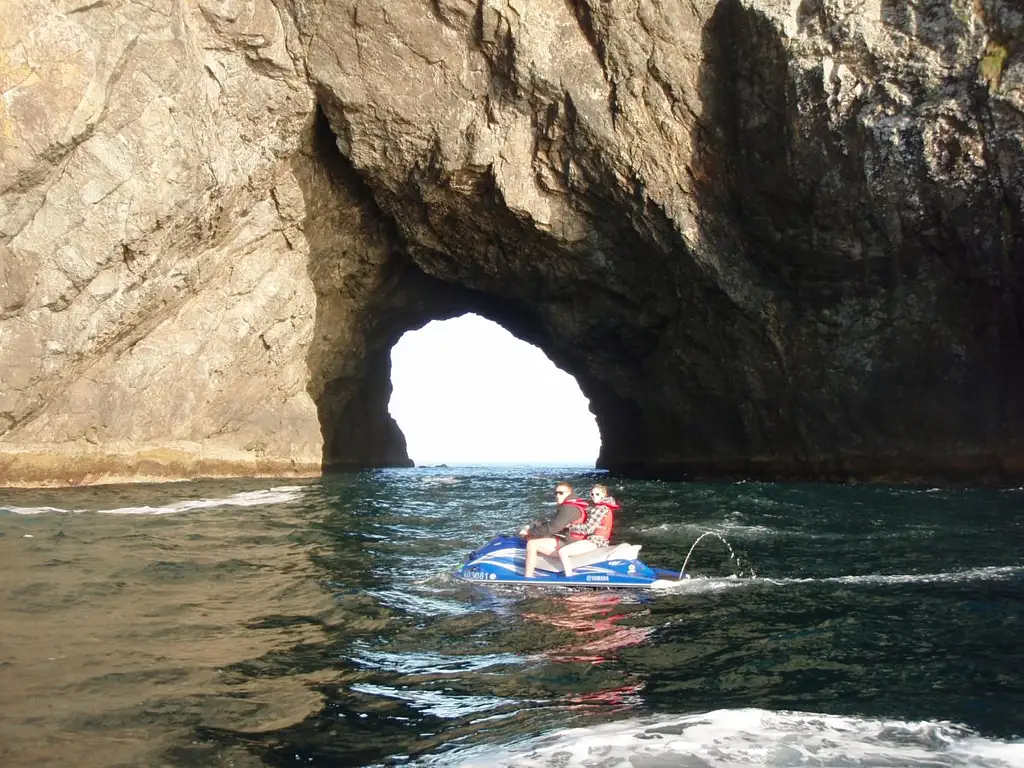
(563, 517)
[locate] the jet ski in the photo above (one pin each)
(502, 561)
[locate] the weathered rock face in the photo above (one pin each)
(765, 237)
(156, 305)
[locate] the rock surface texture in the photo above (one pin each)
(781, 238)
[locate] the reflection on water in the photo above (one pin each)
(594, 624)
(113, 625)
(592, 627)
(251, 624)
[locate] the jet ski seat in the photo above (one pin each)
(601, 554)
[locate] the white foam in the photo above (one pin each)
(417, 602)
(437, 703)
(750, 737)
(34, 510)
(701, 584)
(429, 663)
(710, 584)
(988, 573)
(278, 495)
(724, 527)
(442, 480)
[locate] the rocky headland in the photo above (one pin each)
(774, 238)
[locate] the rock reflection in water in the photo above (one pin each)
(121, 634)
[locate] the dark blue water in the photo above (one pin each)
(255, 624)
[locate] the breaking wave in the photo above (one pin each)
(749, 737)
(278, 495)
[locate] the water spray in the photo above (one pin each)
(732, 554)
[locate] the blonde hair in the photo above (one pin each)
(563, 485)
(602, 488)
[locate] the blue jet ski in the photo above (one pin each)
(502, 561)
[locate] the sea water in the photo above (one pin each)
(317, 623)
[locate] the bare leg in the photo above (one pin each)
(575, 548)
(535, 547)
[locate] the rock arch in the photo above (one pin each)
(760, 240)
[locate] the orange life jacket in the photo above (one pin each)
(581, 505)
(604, 529)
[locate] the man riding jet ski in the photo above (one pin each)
(544, 537)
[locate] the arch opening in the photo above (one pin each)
(466, 391)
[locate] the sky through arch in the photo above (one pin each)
(466, 391)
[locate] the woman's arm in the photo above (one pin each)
(594, 518)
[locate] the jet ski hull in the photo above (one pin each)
(503, 559)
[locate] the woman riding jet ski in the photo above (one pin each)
(593, 531)
(579, 535)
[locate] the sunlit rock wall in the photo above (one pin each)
(766, 237)
(157, 305)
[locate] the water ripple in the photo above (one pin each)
(259, 624)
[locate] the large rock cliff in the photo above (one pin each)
(782, 238)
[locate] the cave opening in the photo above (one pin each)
(465, 391)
